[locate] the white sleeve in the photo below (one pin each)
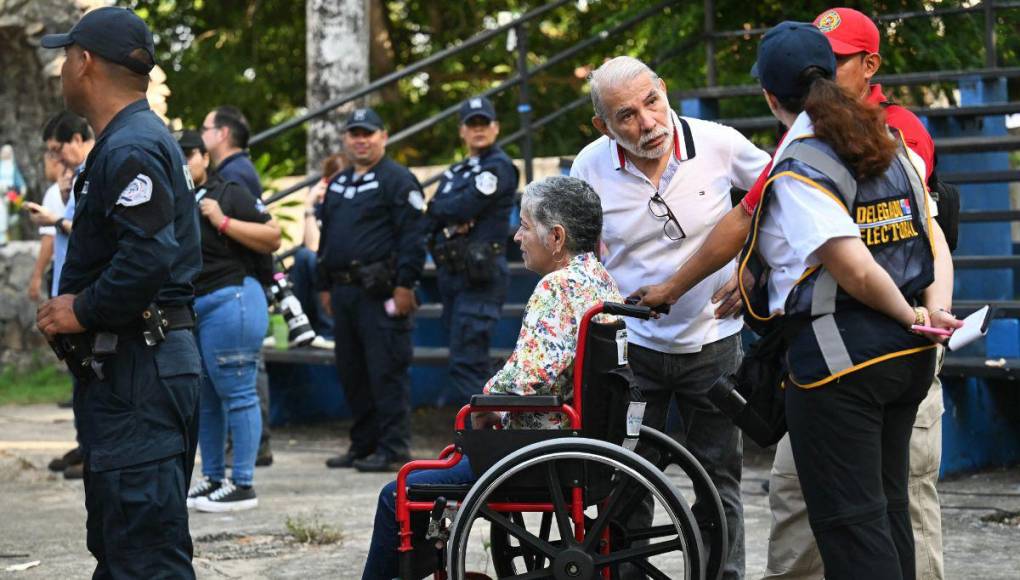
(52, 202)
(746, 161)
(809, 218)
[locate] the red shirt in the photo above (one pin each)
(897, 117)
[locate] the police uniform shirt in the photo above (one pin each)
(224, 261)
(135, 238)
(372, 217)
(799, 220)
(708, 159)
(479, 189)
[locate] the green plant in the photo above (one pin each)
(312, 531)
(46, 384)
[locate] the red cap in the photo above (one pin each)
(848, 31)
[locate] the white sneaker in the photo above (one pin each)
(202, 488)
(324, 343)
(228, 498)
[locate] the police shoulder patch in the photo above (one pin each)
(137, 192)
(416, 199)
(486, 182)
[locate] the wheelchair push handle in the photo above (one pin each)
(631, 309)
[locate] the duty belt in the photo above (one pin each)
(84, 352)
(453, 254)
(345, 277)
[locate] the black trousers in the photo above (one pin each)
(851, 443)
(373, 358)
(137, 523)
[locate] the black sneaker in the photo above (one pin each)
(228, 498)
(76, 471)
(346, 460)
(72, 457)
(201, 489)
(265, 455)
(380, 462)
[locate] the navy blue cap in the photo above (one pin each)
(477, 107)
(364, 119)
(112, 33)
(786, 51)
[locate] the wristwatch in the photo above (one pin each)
(59, 224)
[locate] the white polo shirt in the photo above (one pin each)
(707, 160)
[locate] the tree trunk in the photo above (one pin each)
(30, 84)
(338, 63)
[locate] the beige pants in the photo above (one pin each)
(793, 554)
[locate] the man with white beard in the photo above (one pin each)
(664, 182)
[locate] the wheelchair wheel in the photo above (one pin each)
(663, 451)
(531, 545)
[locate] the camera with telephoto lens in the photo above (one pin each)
(300, 332)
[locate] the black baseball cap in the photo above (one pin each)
(190, 139)
(364, 118)
(786, 51)
(112, 33)
(477, 107)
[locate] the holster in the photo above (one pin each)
(377, 278)
(479, 265)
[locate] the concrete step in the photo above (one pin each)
(423, 355)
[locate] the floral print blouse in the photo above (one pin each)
(543, 360)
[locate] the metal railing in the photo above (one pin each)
(709, 36)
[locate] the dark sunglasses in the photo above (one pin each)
(659, 209)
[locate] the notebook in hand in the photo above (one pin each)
(974, 327)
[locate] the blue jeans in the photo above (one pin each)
(232, 322)
(382, 563)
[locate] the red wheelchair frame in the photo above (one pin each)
(450, 456)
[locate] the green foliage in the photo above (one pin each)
(252, 54)
(248, 53)
(46, 384)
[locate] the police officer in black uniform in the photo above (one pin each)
(123, 319)
(469, 225)
(371, 255)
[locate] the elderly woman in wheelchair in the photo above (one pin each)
(551, 438)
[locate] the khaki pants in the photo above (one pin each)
(792, 553)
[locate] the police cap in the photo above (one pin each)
(477, 107)
(364, 119)
(112, 33)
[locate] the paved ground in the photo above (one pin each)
(42, 516)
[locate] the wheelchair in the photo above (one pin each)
(583, 502)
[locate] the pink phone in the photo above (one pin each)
(932, 330)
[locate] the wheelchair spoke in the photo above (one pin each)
(523, 535)
(559, 504)
(543, 533)
(650, 570)
(638, 552)
(606, 512)
(527, 555)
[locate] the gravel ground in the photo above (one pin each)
(42, 516)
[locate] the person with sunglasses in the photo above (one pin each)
(664, 181)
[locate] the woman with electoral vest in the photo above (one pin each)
(842, 252)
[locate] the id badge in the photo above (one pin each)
(621, 346)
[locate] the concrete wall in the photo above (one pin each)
(21, 345)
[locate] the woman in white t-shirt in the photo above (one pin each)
(850, 259)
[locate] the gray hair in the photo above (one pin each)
(614, 72)
(568, 202)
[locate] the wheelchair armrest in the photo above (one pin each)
(510, 401)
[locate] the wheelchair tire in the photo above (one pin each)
(714, 533)
(569, 559)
